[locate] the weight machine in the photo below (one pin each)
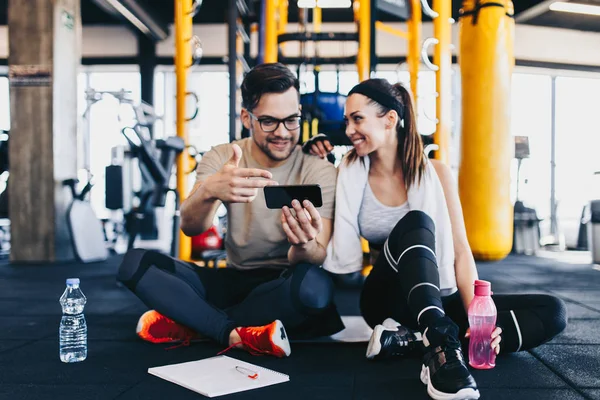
(154, 159)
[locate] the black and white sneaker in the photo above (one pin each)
(392, 324)
(446, 374)
(392, 339)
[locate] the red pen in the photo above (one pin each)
(248, 372)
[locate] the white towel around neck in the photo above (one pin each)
(344, 251)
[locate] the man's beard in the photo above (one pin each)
(265, 148)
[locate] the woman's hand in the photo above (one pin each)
(319, 146)
(496, 338)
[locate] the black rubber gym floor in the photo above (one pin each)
(116, 368)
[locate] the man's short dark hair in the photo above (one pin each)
(266, 78)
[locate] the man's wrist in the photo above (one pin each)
(308, 246)
(311, 252)
(207, 195)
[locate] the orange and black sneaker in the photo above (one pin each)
(270, 339)
(156, 328)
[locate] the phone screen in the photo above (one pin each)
(278, 196)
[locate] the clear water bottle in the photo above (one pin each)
(482, 322)
(73, 329)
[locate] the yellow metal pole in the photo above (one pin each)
(239, 49)
(413, 56)
(305, 131)
(239, 70)
(391, 30)
(317, 19)
(364, 39)
(283, 17)
(442, 57)
(271, 31)
(183, 59)
(314, 124)
(362, 13)
(486, 64)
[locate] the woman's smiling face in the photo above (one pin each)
(367, 130)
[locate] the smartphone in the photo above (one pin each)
(278, 196)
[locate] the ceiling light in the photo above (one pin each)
(334, 3)
(575, 8)
(134, 12)
(130, 16)
(324, 3)
(307, 3)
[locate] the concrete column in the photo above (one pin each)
(44, 58)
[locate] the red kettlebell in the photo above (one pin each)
(207, 240)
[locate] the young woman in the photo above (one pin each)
(408, 209)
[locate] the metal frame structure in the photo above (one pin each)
(273, 35)
(276, 15)
(241, 22)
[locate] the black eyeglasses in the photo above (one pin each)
(270, 124)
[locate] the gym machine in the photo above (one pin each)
(4, 221)
(526, 228)
(152, 160)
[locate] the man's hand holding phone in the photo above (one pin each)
(302, 223)
(233, 184)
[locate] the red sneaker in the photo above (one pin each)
(156, 328)
(264, 340)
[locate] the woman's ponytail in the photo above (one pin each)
(410, 144)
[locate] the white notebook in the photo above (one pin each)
(217, 376)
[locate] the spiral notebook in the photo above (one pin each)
(217, 376)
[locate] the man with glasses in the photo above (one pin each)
(274, 256)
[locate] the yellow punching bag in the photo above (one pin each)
(486, 35)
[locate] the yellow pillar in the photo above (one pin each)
(283, 17)
(442, 57)
(317, 19)
(282, 22)
(314, 124)
(486, 63)
(271, 31)
(183, 59)
(305, 131)
(413, 57)
(380, 26)
(363, 63)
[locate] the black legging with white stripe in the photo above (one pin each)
(409, 292)
(214, 301)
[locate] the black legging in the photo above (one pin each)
(215, 301)
(526, 320)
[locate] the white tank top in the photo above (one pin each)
(376, 220)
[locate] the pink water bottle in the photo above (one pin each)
(482, 321)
